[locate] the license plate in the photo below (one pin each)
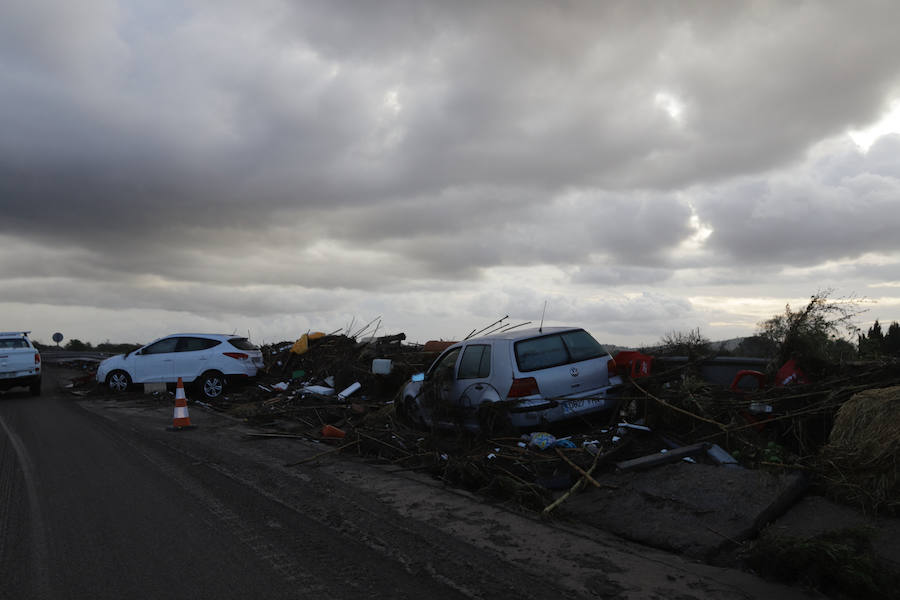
(579, 404)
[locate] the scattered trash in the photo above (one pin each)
(330, 431)
(349, 390)
(540, 440)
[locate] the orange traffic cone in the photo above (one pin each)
(181, 418)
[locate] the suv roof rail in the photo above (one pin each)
(8, 333)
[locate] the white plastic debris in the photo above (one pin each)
(349, 390)
(382, 366)
(491, 456)
(633, 426)
(330, 380)
(318, 389)
(615, 438)
(280, 386)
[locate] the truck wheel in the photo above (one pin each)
(118, 381)
(36, 388)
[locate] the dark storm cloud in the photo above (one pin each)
(803, 221)
(363, 145)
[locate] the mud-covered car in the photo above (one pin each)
(519, 379)
(208, 360)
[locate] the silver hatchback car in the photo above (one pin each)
(522, 379)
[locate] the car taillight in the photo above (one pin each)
(612, 368)
(37, 358)
(527, 386)
(237, 355)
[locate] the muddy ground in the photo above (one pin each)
(455, 536)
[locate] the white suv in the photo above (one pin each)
(20, 362)
(522, 378)
(207, 359)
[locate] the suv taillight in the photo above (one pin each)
(37, 358)
(612, 368)
(237, 355)
(527, 386)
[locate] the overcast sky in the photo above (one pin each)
(275, 167)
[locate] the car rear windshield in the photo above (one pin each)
(13, 343)
(242, 344)
(557, 349)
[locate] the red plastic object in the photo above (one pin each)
(330, 431)
(790, 374)
(760, 379)
(634, 363)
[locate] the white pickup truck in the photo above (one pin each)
(20, 362)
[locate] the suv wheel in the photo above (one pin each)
(212, 385)
(118, 381)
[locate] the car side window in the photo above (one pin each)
(194, 344)
(161, 347)
(445, 364)
(476, 362)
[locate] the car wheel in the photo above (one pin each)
(408, 411)
(118, 381)
(493, 420)
(212, 385)
(36, 388)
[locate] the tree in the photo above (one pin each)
(812, 335)
(691, 344)
(77, 345)
(892, 340)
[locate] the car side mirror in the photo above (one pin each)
(418, 377)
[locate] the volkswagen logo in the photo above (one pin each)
(574, 372)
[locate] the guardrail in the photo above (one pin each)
(57, 356)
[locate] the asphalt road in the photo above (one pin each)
(94, 510)
(98, 500)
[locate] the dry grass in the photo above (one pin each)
(861, 462)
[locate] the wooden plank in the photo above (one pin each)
(661, 458)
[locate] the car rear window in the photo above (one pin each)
(13, 343)
(556, 349)
(582, 345)
(476, 362)
(242, 344)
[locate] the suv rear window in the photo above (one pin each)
(242, 344)
(556, 349)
